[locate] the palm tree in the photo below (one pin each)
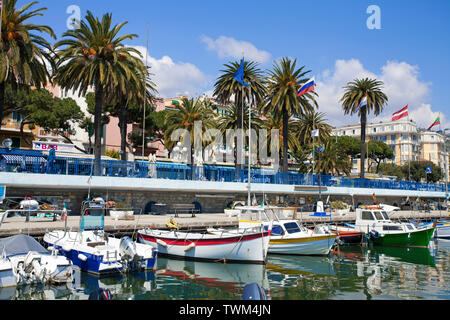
(332, 160)
(95, 56)
(132, 101)
(309, 122)
(24, 55)
(283, 83)
(230, 119)
(275, 122)
(184, 116)
(355, 92)
(226, 87)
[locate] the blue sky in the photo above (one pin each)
(191, 40)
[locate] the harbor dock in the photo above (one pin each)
(37, 227)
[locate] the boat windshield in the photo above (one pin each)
(385, 215)
(292, 227)
(367, 215)
(277, 231)
(378, 215)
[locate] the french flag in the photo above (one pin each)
(400, 114)
(307, 87)
(362, 104)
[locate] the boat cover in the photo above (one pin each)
(20, 244)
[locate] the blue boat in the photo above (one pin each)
(92, 250)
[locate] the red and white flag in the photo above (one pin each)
(400, 114)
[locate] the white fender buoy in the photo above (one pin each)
(189, 247)
(161, 243)
(82, 257)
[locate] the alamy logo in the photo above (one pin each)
(374, 20)
(211, 146)
(73, 21)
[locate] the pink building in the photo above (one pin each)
(112, 134)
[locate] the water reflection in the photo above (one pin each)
(352, 272)
(391, 273)
(228, 278)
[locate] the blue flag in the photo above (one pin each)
(239, 76)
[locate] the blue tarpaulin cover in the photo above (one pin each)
(20, 244)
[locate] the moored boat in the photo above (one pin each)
(346, 235)
(288, 236)
(232, 246)
(92, 250)
(381, 230)
(24, 261)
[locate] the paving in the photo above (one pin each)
(39, 226)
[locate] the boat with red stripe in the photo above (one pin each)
(231, 246)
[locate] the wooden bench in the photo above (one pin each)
(184, 208)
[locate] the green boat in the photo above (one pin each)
(381, 230)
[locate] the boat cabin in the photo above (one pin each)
(378, 219)
(286, 227)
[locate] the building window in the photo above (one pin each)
(15, 142)
(393, 138)
(16, 116)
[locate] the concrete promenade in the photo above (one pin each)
(37, 227)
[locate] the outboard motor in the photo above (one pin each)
(127, 248)
(254, 291)
(373, 234)
(100, 294)
(130, 259)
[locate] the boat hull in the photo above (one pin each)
(443, 231)
(102, 260)
(349, 237)
(61, 274)
(250, 248)
(7, 278)
(317, 245)
(420, 238)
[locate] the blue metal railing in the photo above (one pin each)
(38, 163)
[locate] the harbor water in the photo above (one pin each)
(348, 273)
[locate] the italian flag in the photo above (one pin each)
(435, 123)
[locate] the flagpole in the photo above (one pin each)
(145, 93)
(249, 152)
(409, 164)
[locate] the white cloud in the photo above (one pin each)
(175, 78)
(227, 47)
(425, 116)
(401, 84)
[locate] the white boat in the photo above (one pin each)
(24, 261)
(287, 235)
(244, 245)
(93, 251)
(442, 230)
